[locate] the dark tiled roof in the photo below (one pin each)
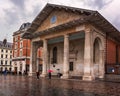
(7, 45)
(25, 25)
(92, 17)
(22, 28)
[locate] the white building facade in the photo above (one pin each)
(5, 56)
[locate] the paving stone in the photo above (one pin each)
(30, 86)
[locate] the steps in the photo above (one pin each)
(112, 78)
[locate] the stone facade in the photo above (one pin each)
(71, 43)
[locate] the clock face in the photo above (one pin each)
(53, 19)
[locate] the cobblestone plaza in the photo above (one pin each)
(30, 86)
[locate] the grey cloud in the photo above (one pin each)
(11, 17)
(97, 3)
(19, 3)
(116, 22)
(37, 10)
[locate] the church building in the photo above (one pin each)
(75, 42)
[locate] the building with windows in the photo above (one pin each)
(75, 41)
(5, 55)
(21, 51)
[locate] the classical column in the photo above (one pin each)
(33, 57)
(45, 59)
(66, 57)
(18, 67)
(23, 67)
(88, 56)
(101, 65)
(38, 64)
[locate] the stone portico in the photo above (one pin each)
(73, 42)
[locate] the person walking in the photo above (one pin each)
(5, 73)
(37, 73)
(49, 73)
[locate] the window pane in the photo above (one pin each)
(71, 66)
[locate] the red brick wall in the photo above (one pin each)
(39, 54)
(25, 47)
(111, 52)
(28, 61)
(119, 54)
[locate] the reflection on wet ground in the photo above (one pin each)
(30, 86)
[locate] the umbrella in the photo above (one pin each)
(50, 70)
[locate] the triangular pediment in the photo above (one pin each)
(58, 17)
(53, 15)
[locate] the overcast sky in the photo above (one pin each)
(15, 12)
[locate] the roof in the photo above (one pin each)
(93, 17)
(22, 28)
(8, 45)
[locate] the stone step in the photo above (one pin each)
(112, 77)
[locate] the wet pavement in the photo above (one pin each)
(30, 86)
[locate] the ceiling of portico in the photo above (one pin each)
(78, 35)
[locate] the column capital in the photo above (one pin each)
(44, 39)
(66, 35)
(89, 29)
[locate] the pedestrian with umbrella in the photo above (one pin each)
(37, 74)
(49, 73)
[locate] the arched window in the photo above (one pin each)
(55, 55)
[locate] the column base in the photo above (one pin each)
(88, 78)
(65, 76)
(101, 77)
(32, 74)
(43, 75)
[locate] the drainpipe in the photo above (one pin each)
(26, 53)
(106, 55)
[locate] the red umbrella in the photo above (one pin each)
(50, 70)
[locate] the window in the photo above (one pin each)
(1, 69)
(20, 44)
(1, 62)
(54, 55)
(2, 50)
(10, 69)
(15, 54)
(53, 19)
(21, 53)
(10, 51)
(10, 62)
(71, 66)
(10, 56)
(1, 55)
(6, 62)
(6, 51)
(5, 68)
(16, 46)
(6, 56)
